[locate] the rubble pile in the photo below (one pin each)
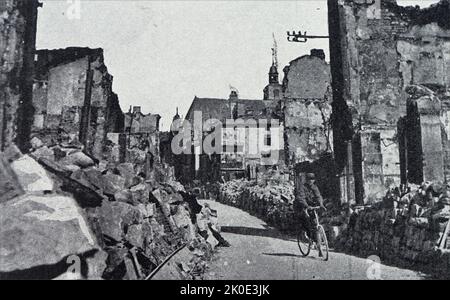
(335, 220)
(120, 224)
(272, 202)
(410, 227)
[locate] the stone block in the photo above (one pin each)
(79, 159)
(115, 217)
(135, 236)
(44, 152)
(41, 231)
(141, 193)
(31, 175)
(9, 183)
(112, 184)
(124, 196)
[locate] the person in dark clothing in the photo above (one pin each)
(194, 207)
(307, 195)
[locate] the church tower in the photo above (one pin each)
(273, 91)
(176, 117)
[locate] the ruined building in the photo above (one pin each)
(17, 45)
(306, 111)
(73, 99)
(390, 67)
(142, 132)
(65, 197)
(307, 108)
(183, 164)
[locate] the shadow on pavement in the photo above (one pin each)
(284, 254)
(291, 255)
(267, 232)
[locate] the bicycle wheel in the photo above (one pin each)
(304, 242)
(323, 243)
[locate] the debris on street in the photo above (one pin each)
(410, 227)
(113, 211)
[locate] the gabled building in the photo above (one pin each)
(251, 133)
(249, 141)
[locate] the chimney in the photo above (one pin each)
(234, 95)
(318, 53)
(136, 109)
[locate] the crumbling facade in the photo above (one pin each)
(378, 51)
(17, 45)
(307, 108)
(137, 141)
(142, 132)
(306, 114)
(73, 99)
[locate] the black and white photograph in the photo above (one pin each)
(202, 143)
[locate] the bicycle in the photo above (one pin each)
(305, 243)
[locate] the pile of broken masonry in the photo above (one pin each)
(64, 215)
(410, 227)
(271, 201)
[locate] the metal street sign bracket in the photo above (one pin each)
(299, 37)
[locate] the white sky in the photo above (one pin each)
(163, 53)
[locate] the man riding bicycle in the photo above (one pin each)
(307, 196)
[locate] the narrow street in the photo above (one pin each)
(259, 252)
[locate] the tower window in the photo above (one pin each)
(276, 93)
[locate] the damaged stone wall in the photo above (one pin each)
(142, 137)
(271, 200)
(136, 121)
(378, 49)
(424, 135)
(17, 45)
(73, 99)
(380, 158)
(307, 108)
(404, 229)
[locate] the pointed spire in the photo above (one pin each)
(275, 52)
(273, 72)
(177, 116)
